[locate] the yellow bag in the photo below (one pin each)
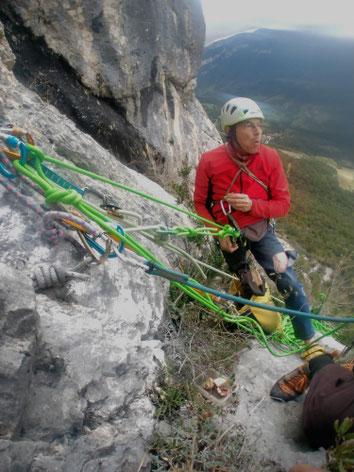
(269, 320)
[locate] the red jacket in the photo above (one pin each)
(214, 175)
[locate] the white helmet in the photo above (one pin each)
(239, 109)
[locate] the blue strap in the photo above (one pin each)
(59, 180)
(6, 173)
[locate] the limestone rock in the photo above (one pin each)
(18, 343)
(6, 55)
(76, 361)
(272, 429)
(137, 63)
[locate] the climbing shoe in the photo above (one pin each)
(311, 352)
(349, 366)
(291, 385)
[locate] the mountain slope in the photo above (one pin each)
(320, 225)
(303, 82)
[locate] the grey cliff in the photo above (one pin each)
(77, 361)
(120, 63)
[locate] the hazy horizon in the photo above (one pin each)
(226, 17)
(218, 33)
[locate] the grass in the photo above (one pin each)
(199, 442)
(340, 458)
(198, 437)
(194, 325)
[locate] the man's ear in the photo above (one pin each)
(227, 130)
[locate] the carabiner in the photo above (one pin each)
(99, 194)
(223, 209)
(14, 142)
(90, 243)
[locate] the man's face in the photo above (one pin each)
(249, 135)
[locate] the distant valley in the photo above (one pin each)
(304, 84)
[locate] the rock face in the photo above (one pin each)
(108, 65)
(18, 335)
(273, 432)
(77, 361)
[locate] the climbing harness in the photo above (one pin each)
(106, 222)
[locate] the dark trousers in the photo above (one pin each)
(286, 282)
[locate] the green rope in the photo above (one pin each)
(38, 154)
(54, 194)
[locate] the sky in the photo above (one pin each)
(226, 17)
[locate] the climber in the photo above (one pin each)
(243, 183)
(330, 396)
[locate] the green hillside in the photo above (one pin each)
(303, 83)
(321, 215)
(320, 223)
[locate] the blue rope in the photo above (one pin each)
(156, 269)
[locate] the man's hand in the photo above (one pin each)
(226, 244)
(239, 201)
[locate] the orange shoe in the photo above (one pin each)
(291, 385)
(349, 365)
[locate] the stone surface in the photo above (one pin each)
(18, 342)
(6, 55)
(125, 71)
(76, 361)
(272, 429)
